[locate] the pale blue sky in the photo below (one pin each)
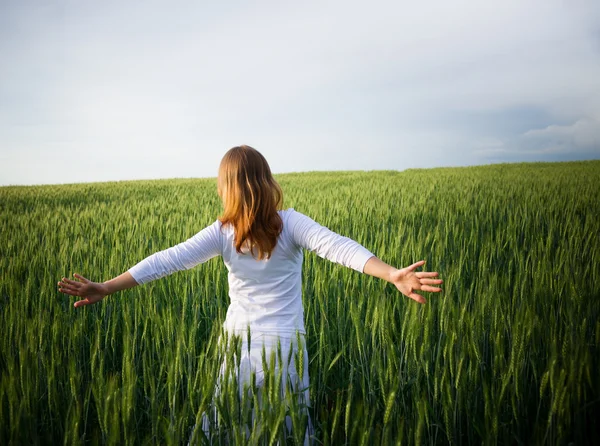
(117, 90)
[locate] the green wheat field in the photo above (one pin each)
(508, 353)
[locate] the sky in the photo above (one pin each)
(121, 90)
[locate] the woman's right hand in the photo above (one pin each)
(92, 292)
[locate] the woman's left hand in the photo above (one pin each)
(408, 281)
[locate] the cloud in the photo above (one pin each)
(583, 134)
(577, 140)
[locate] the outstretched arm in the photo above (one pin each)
(406, 279)
(345, 251)
(197, 249)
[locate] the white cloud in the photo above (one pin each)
(583, 134)
(581, 138)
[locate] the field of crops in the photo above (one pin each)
(509, 353)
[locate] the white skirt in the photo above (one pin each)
(291, 361)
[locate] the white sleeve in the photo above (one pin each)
(198, 249)
(327, 244)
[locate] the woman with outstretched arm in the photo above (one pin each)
(261, 246)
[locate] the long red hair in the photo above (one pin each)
(251, 198)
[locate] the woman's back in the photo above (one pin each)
(265, 294)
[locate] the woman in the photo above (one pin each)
(261, 246)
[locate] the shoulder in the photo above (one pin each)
(285, 213)
(222, 229)
(290, 216)
(215, 226)
(290, 212)
(212, 231)
(294, 221)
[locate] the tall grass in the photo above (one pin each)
(509, 353)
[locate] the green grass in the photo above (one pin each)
(509, 353)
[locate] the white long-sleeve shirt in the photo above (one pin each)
(265, 294)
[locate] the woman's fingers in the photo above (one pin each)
(417, 297)
(430, 289)
(66, 287)
(80, 277)
(424, 274)
(72, 283)
(431, 281)
(81, 303)
(415, 265)
(68, 290)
